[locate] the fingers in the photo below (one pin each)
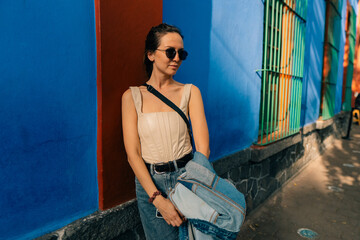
(174, 220)
(170, 214)
(177, 222)
(183, 218)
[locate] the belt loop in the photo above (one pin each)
(175, 165)
(152, 172)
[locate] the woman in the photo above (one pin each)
(155, 134)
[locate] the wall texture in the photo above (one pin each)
(313, 61)
(48, 171)
(123, 29)
(224, 40)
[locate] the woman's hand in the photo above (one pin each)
(168, 211)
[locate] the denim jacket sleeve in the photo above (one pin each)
(212, 205)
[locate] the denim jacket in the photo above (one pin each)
(213, 206)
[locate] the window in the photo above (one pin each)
(282, 73)
(350, 30)
(331, 58)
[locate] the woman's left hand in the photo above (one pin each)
(168, 211)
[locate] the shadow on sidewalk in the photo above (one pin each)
(309, 199)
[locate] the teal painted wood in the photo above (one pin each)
(331, 57)
(351, 36)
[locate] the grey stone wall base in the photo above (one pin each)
(121, 222)
(263, 170)
(256, 172)
(232, 161)
(261, 153)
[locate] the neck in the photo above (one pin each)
(160, 80)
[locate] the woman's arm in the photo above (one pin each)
(198, 122)
(133, 150)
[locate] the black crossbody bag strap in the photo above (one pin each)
(173, 106)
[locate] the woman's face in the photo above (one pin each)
(161, 63)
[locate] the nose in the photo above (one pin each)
(177, 57)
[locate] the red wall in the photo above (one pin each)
(121, 30)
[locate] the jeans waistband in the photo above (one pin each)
(170, 166)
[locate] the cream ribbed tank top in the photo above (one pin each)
(163, 135)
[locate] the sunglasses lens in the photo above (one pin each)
(171, 53)
(182, 54)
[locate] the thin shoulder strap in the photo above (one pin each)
(173, 106)
(135, 92)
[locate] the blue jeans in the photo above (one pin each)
(156, 228)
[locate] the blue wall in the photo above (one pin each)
(313, 61)
(225, 41)
(48, 113)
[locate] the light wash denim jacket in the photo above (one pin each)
(215, 209)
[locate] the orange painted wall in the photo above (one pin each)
(121, 30)
(355, 87)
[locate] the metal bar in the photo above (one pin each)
(293, 104)
(270, 64)
(333, 5)
(303, 37)
(301, 69)
(293, 10)
(286, 71)
(333, 46)
(298, 105)
(291, 71)
(303, 51)
(273, 78)
(277, 72)
(264, 66)
(278, 75)
(281, 76)
(291, 93)
(296, 72)
(283, 63)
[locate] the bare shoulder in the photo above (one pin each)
(127, 100)
(127, 95)
(195, 91)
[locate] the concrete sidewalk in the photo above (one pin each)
(309, 200)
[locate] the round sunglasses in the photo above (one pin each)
(171, 53)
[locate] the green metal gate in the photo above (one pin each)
(282, 73)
